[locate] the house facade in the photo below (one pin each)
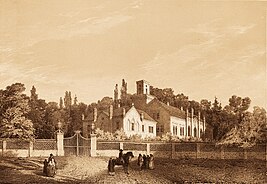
(133, 121)
(170, 119)
(147, 117)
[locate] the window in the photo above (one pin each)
(189, 131)
(150, 129)
(118, 124)
(201, 132)
(174, 130)
(181, 131)
(195, 132)
(132, 126)
(158, 115)
(140, 89)
(143, 128)
(162, 128)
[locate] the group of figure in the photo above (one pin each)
(50, 166)
(123, 159)
(146, 161)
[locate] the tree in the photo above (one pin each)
(194, 105)
(60, 103)
(214, 118)
(105, 103)
(157, 93)
(250, 131)
(165, 95)
(169, 96)
(67, 99)
(239, 106)
(181, 101)
(52, 116)
(75, 101)
(205, 106)
(13, 111)
(34, 96)
(37, 116)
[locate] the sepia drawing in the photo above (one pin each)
(133, 91)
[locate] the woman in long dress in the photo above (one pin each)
(151, 164)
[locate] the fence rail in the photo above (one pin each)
(78, 145)
(181, 150)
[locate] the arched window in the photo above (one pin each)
(189, 131)
(129, 125)
(195, 132)
(132, 126)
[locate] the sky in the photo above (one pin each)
(200, 48)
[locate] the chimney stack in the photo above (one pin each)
(123, 112)
(82, 116)
(95, 114)
(110, 111)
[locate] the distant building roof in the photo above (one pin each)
(173, 111)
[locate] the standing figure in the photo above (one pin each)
(151, 164)
(51, 167)
(45, 167)
(111, 165)
(147, 161)
(140, 161)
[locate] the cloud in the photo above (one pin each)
(96, 25)
(11, 72)
(137, 4)
(240, 29)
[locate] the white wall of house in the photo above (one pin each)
(149, 128)
(133, 125)
(177, 127)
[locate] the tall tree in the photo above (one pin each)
(60, 103)
(75, 101)
(67, 99)
(13, 111)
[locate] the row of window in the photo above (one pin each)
(150, 128)
(175, 131)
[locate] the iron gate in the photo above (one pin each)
(77, 145)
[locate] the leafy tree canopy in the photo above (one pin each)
(14, 109)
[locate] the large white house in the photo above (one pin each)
(147, 117)
(170, 119)
(133, 121)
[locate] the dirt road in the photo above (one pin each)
(94, 170)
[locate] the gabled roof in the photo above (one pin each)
(146, 116)
(173, 111)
